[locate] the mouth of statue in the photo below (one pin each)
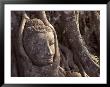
(50, 60)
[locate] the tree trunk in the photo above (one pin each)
(81, 54)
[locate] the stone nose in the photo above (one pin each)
(49, 51)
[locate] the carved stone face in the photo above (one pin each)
(39, 46)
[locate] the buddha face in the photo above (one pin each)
(40, 47)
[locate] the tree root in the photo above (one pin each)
(25, 64)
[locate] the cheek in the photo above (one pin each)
(40, 51)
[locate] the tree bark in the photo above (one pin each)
(82, 56)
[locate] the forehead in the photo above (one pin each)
(45, 36)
